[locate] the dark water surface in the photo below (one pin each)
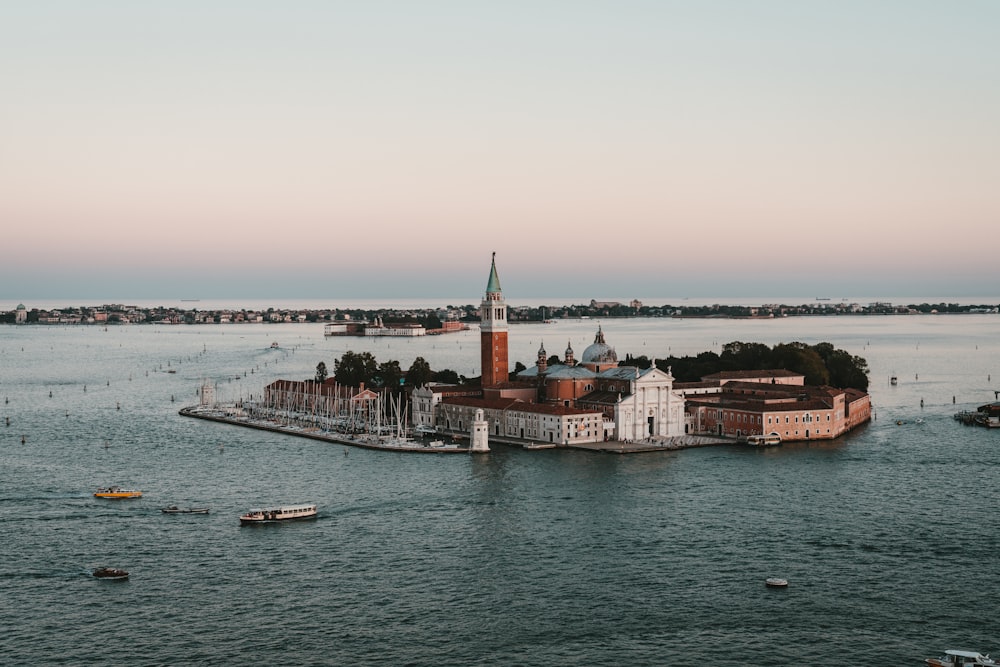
(889, 537)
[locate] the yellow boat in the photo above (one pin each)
(117, 492)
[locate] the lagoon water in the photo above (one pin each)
(889, 537)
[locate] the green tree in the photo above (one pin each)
(801, 358)
(847, 371)
(746, 356)
(353, 369)
(389, 376)
(321, 372)
(419, 373)
(430, 321)
(642, 361)
(447, 376)
(518, 367)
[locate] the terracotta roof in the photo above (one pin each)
(737, 375)
(696, 385)
(512, 404)
(454, 389)
(514, 384)
(601, 397)
(730, 402)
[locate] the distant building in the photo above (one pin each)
(763, 402)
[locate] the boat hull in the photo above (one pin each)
(191, 510)
(116, 493)
(110, 574)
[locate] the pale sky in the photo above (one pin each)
(263, 149)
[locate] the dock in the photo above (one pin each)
(364, 441)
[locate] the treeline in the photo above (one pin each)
(821, 364)
(356, 368)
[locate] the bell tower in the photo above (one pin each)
(493, 332)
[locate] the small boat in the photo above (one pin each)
(274, 345)
(110, 573)
(276, 514)
(955, 658)
(775, 582)
(117, 492)
(768, 440)
(174, 509)
(893, 380)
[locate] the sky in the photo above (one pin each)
(313, 149)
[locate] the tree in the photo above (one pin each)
(354, 369)
(746, 356)
(419, 373)
(447, 376)
(847, 371)
(801, 358)
(321, 372)
(389, 375)
(518, 367)
(642, 361)
(430, 321)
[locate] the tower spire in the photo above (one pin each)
(493, 286)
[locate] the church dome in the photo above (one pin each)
(599, 351)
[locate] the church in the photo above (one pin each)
(573, 402)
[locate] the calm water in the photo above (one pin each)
(889, 536)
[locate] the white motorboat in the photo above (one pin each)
(956, 658)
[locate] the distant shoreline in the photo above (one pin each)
(431, 318)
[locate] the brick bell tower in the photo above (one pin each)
(493, 332)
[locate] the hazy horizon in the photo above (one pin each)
(359, 150)
(224, 303)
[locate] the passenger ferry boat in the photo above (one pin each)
(768, 440)
(117, 492)
(276, 514)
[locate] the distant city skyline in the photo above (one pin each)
(334, 150)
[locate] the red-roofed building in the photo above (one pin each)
(793, 411)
